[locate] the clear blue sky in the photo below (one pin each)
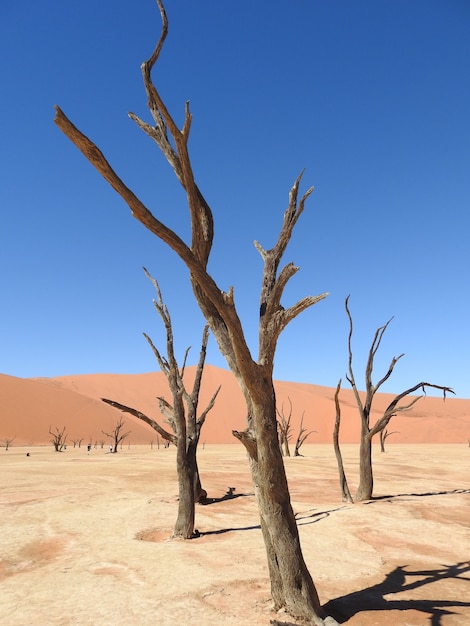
(371, 98)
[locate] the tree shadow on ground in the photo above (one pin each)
(229, 495)
(401, 580)
(417, 495)
(314, 517)
(222, 531)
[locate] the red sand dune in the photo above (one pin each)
(30, 406)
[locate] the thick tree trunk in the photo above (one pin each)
(184, 526)
(292, 586)
(366, 478)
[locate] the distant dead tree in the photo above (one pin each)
(384, 435)
(117, 435)
(102, 442)
(59, 438)
(285, 431)
(285, 428)
(302, 436)
(181, 415)
(292, 587)
(8, 441)
(366, 479)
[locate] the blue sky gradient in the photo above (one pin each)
(371, 98)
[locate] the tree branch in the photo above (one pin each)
(148, 420)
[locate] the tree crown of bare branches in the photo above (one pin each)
(394, 407)
(217, 305)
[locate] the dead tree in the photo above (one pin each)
(117, 436)
(59, 438)
(285, 428)
(182, 417)
(384, 435)
(345, 493)
(302, 436)
(8, 441)
(292, 586)
(366, 479)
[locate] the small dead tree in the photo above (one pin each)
(302, 436)
(59, 438)
(292, 587)
(285, 428)
(181, 416)
(384, 435)
(117, 436)
(8, 441)
(368, 431)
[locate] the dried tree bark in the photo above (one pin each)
(366, 478)
(292, 586)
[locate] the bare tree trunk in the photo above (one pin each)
(366, 476)
(291, 584)
(345, 493)
(184, 525)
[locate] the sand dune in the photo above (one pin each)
(30, 406)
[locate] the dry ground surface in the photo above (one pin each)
(85, 538)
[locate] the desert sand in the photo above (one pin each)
(85, 538)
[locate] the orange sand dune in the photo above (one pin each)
(30, 406)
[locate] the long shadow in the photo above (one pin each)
(222, 531)
(314, 517)
(373, 598)
(229, 495)
(426, 494)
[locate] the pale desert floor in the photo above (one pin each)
(84, 539)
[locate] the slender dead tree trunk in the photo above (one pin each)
(366, 476)
(345, 493)
(384, 435)
(291, 584)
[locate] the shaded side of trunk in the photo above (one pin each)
(184, 526)
(366, 478)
